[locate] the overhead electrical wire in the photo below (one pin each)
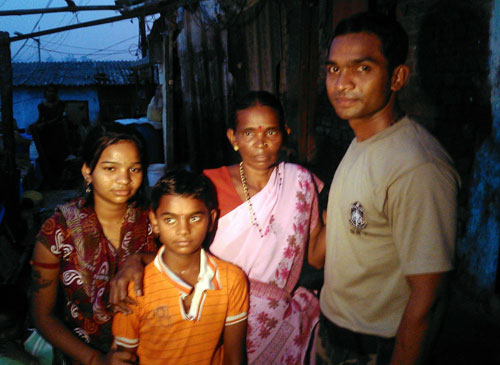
(57, 40)
(34, 27)
(109, 53)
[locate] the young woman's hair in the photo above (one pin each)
(105, 135)
(393, 37)
(184, 183)
(262, 98)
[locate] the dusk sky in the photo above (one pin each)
(113, 41)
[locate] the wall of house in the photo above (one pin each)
(25, 102)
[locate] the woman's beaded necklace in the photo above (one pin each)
(253, 218)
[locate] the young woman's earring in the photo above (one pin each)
(88, 190)
(236, 148)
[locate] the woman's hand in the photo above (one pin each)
(132, 270)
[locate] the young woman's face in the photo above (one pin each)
(117, 175)
(257, 136)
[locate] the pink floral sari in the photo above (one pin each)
(281, 316)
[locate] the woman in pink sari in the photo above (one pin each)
(268, 222)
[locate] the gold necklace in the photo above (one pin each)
(253, 218)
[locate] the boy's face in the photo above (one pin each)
(182, 223)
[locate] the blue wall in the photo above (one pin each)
(478, 251)
(25, 102)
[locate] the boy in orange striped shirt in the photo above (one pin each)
(194, 307)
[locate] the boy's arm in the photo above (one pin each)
(125, 330)
(132, 271)
(235, 343)
(235, 330)
(121, 355)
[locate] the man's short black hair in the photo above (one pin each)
(184, 183)
(392, 35)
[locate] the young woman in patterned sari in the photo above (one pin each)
(80, 248)
(269, 222)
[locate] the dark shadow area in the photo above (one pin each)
(452, 71)
(332, 135)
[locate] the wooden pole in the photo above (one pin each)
(142, 36)
(57, 10)
(73, 26)
(169, 78)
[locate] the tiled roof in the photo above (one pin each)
(73, 73)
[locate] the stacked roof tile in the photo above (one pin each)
(72, 73)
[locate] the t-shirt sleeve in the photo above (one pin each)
(422, 212)
(238, 296)
(126, 327)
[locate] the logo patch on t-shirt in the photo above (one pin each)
(357, 218)
(161, 317)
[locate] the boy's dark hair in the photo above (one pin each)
(105, 135)
(263, 98)
(392, 35)
(184, 183)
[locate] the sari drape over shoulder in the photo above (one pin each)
(281, 316)
(89, 261)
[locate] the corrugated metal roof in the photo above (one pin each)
(73, 73)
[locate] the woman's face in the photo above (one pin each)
(117, 175)
(257, 136)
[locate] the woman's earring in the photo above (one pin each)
(89, 187)
(236, 148)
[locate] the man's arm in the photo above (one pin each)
(427, 290)
(235, 343)
(316, 248)
(132, 270)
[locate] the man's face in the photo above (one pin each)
(357, 80)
